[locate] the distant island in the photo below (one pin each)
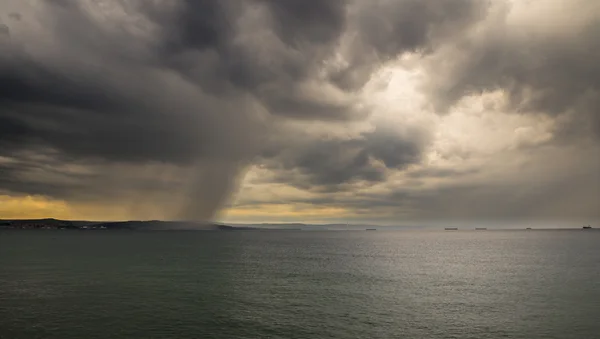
(154, 225)
(136, 225)
(160, 225)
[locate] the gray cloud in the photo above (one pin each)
(335, 164)
(187, 90)
(86, 101)
(385, 29)
(440, 173)
(299, 22)
(204, 86)
(276, 60)
(412, 25)
(563, 200)
(15, 16)
(550, 70)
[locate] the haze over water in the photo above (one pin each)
(273, 284)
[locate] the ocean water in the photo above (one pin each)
(288, 284)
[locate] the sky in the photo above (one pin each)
(390, 112)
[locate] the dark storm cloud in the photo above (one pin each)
(307, 34)
(274, 65)
(97, 95)
(203, 24)
(103, 94)
(22, 175)
(193, 84)
(300, 22)
(89, 107)
(334, 164)
(27, 82)
(412, 25)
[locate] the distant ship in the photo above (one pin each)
(371, 229)
(587, 227)
(480, 228)
(528, 228)
(451, 229)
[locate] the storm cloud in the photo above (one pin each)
(334, 164)
(544, 65)
(168, 104)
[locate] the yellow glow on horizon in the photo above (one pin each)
(39, 207)
(33, 207)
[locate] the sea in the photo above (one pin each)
(300, 284)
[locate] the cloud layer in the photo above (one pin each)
(385, 110)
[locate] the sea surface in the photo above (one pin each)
(300, 284)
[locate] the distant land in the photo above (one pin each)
(159, 225)
(140, 225)
(154, 225)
